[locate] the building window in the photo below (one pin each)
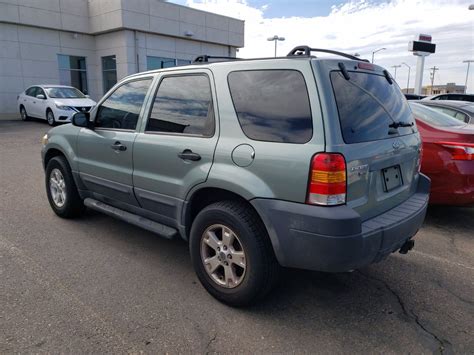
(72, 72)
(109, 72)
(161, 62)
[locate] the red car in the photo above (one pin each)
(448, 156)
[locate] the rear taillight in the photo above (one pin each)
(327, 180)
(459, 151)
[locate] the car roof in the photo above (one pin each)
(466, 106)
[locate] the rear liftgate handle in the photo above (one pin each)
(188, 154)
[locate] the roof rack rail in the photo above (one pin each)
(205, 58)
(306, 51)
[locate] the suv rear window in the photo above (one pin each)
(272, 105)
(368, 104)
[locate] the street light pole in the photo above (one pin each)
(467, 72)
(408, 81)
(275, 39)
(396, 66)
(378, 50)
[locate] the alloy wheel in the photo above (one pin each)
(23, 114)
(50, 118)
(57, 187)
(223, 256)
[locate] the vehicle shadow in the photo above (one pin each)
(451, 217)
(389, 299)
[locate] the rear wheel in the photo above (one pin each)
(50, 118)
(232, 254)
(61, 189)
(23, 114)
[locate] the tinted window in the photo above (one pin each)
(461, 116)
(183, 104)
(40, 91)
(448, 111)
(433, 117)
(368, 105)
(31, 91)
(272, 105)
(121, 109)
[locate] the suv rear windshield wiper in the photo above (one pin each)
(400, 124)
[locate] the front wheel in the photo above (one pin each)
(61, 189)
(232, 254)
(50, 118)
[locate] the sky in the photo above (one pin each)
(360, 26)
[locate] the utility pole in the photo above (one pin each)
(432, 76)
(396, 66)
(408, 80)
(467, 73)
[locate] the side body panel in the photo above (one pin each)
(275, 170)
(161, 178)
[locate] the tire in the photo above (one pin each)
(72, 204)
(261, 270)
(23, 113)
(50, 118)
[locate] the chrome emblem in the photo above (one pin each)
(396, 145)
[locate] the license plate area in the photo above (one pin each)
(392, 178)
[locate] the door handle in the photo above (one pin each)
(188, 154)
(117, 146)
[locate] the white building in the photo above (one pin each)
(90, 44)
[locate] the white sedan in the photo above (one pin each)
(54, 103)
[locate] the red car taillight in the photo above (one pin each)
(459, 151)
(327, 180)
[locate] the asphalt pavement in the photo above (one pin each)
(98, 285)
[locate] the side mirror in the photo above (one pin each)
(81, 119)
(40, 96)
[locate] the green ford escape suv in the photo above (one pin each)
(299, 161)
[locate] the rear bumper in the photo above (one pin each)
(335, 239)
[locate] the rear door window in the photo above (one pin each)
(272, 105)
(370, 107)
(183, 105)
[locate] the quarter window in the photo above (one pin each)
(122, 108)
(183, 104)
(272, 105)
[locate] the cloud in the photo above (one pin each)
(362, 26)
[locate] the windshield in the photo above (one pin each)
(370, 108)
(64, 93)
(433, 117)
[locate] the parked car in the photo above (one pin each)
(54, 103)
(300, 162)
(452, 97)
(460, 110)
(448, 156)
(414, 97)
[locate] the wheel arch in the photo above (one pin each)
(51, 153)
(201, 198)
